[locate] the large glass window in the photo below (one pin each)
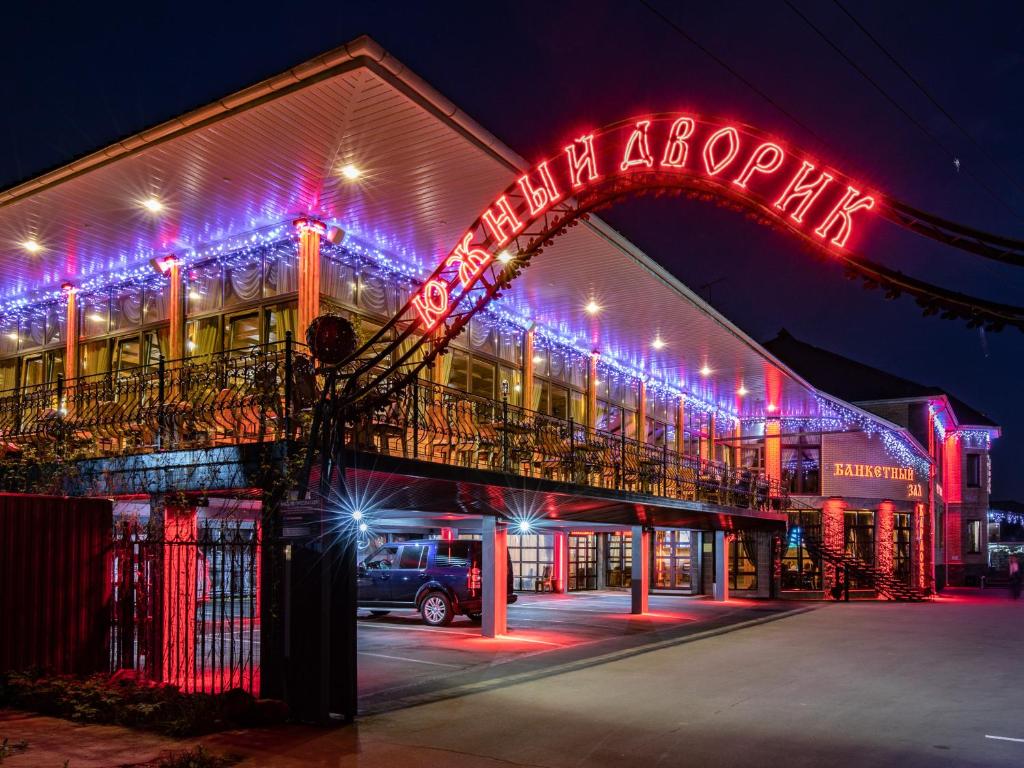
(801, 568)
(204, 288)
(582, 561)
(532, 560)
(673, 557)
(902, 546)
(859, 532)
(243, 280)
(974, 537)
(618, 560)
(973, 470)
(801, 463)
(126, 309)
(743, 561)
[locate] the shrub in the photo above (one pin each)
(138, 704)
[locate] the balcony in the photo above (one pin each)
(266, 394)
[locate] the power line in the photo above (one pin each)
(917, 83)
(725, 65)
(914, 121)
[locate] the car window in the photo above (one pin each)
(413, 556)
(452, 554)
(382, 560)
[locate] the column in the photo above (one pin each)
(641, 578)
(720, 591)
(680, 446)
(495, 577)
(528, 369)
(560, 558)
(592, 392)
(642, 412)
(71, 334)
(176, 311)
(737, 450)
(833, 520)
(773, 455)
(178, 576)
(712, 426)
(884, 544)
(310, 231)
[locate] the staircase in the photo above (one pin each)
(886, 586)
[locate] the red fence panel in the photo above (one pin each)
(54, 583)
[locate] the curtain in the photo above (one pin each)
(373, 295)
(8, 375)
(95, 358)
(126, 309)
(204, 337)
(538, 385)
(338, 281)
(282, 269)
(244, 281)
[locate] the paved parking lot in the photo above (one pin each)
(404, 662)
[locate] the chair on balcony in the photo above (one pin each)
(550, 452)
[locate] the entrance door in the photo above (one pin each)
(859, 531)
(582, 561)
(375, 577)
(673, 557)
(618, 560)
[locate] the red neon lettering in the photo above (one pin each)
(577, 163)
(539, 198)
(759, 164)
(716, 166)
(471, 260)
(805, 192)
(638, 150)
(505, 218)
(841, 214)
(676, 148)
(431, 302)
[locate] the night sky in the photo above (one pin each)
(78, 77)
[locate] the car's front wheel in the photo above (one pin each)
(436, 609)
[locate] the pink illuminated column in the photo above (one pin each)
(495, 577)
(833, 516)
(310, 231)
(641, 577)
(773, 454)
(179, 577)
(884, 544)
(560, 566)
(71, 334)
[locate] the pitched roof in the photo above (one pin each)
(858, 382)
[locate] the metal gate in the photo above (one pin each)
(186, 602)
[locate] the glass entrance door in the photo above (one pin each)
(618, 560)
(582, 561)
(673, 557)
(859, 530)
(901, 547)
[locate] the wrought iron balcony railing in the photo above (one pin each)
(266, 393)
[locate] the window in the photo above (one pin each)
(382, 560)
(618, 560)
(532, 558)
(801, 463)
(974, 537)
(801, 569)
(743, 561)
(413, 556)
(974, 470)
(452, 554)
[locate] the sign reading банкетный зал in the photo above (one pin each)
(710, 156)
(856, 465)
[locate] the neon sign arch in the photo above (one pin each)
(707, 156)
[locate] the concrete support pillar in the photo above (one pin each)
(721, 587)
(560, 564)
(495, 577)
(641, 585)
(310, 231)
(178, 576)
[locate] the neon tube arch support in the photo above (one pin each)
(669, 153)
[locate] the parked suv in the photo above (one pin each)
(436, 577)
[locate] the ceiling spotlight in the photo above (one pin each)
(658, 343)
(363, 527)
(705, 371)
(152, 205)
(357, 515)
(741, 391)
(592, 307)
(505, 257)
(772, 407)
(32, 246)
(524, 526)
(350, 172)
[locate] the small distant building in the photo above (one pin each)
(1005, 536)
(957, 437)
